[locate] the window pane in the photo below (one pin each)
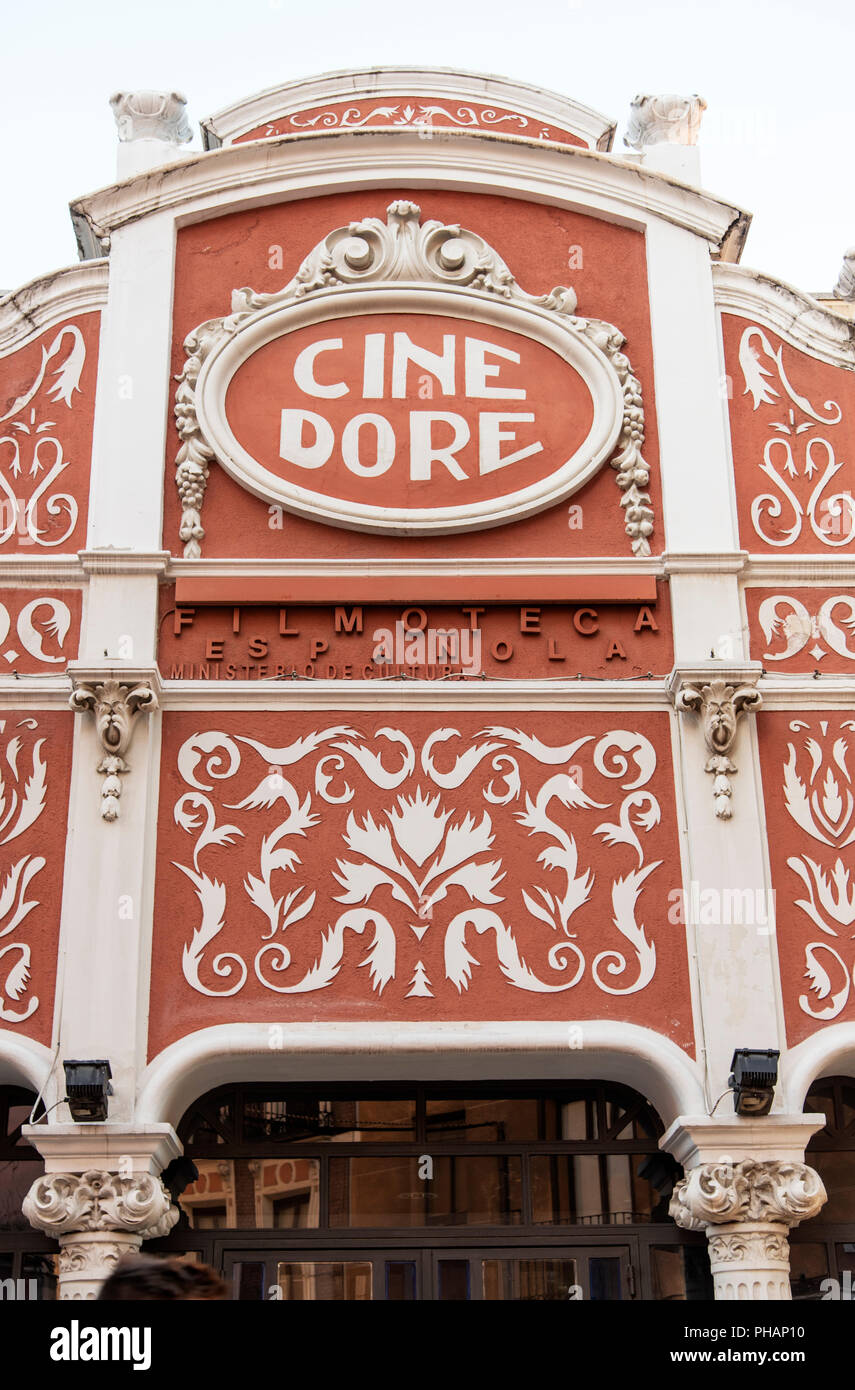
(566, 1188)
(401, 1281)
(526, 1281)
(311, 1119)
(483, 1121)
(248, 1280)
(578, 1120)
(251, 1194)
(405, 1192)
(15, 1181)
(338, 1281)
(680, 1273)
(808, 1268)
(604, 1279)
(452, 1280)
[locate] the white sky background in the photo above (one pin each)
(776, 74)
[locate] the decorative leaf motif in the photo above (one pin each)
(625, 895)
(821, 985)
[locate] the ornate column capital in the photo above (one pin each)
(152, 116)
(664, 120)
(713, 1194)
(97, 1217)
(99, 1200)
(116, 696)
(719, 695)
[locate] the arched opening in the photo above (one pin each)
(28, 1259)
(435, 1191)
(822, 1251)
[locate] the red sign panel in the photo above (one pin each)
(409, 410)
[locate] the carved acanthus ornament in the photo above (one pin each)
(374, 253)
(779, 1192)
(747, 1209)
(97, 1217)
(100, 1201)
(116, 706)
(719, 706)
(664, 120)
(152, 116)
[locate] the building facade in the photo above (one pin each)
(427, 639)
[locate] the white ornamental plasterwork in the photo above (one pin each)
(784, 618)
(400, 114)
(424, 848)
(23, 788)
(116, 707)
(720, 707)
(32, 457)
(664, 120)
(819, 794)
(402, 254)
(798, 460)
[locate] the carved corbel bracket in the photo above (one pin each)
(719, 696)
(116, 697)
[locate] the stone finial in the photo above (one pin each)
(845, 287)
(152, 116)
(664, 120)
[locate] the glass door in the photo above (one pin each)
(504, 1274)
(337, 1276)
(595, 1273)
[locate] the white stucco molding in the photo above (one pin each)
(28, 311)
(463, 567)
(475, 694)
(375, 84)
(830, 1051)
(610, 1051)
(293, 166)
(116, 694)
(719, 694)
(24, 1062)
(666, 119)
(109, 561)
(800, 320)
(74, 1148)
(697, 1139)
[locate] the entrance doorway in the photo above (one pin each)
(440, 1191)
(510, 1274)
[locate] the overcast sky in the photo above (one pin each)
(776, 74)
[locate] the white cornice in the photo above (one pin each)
(703, 562)
(797, 570)
(472, 694)
(800, 692)
(462, 567)
(292, 166)
(26, 312)
(41, 569)
(124, 561)
(380, 83)
(795, 316)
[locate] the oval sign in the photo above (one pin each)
(417, 419)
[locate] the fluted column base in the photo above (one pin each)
(87, 1258)
(750, 1260)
